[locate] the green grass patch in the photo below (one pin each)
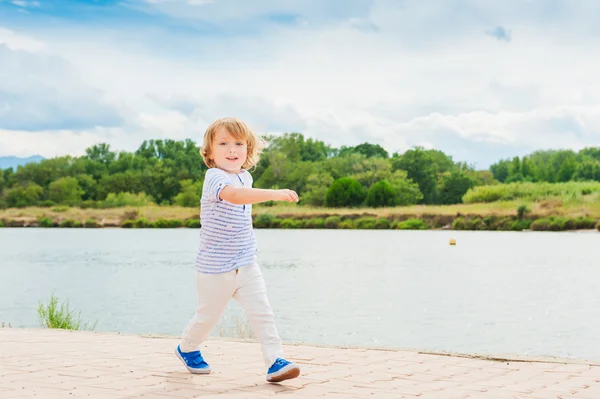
(90, 224)
(193, 223)
(412, 224)
(47, 222)
(530, 191)
(53, 315)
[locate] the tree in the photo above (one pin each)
(24, 194)
(381, 194)
(65, 190)
(100, 153)
(407, 191)
(588, 170)
(500, 170)
(423, 167)
(345, 192)
(453, 186)
(367, 149)
(190, 194)
(317, 185)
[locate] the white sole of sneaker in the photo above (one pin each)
(286, 373)
(192, 370)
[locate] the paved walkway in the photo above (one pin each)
(47, 364)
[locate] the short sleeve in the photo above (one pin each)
(214, 181)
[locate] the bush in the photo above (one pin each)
(46, 204)
(65, 189)
(60, 209)
(264, 220)
(189, 195)
(531, 191)
(464, 223)
(551, 224)
(347, 224)
(23, 195)
(290, 224)
(89, 204)
(598, 226)
(142, 223)
(1, 224)
(332, 222)
(193, 223)
(125, 199)
(365, 223)
(413, 224)
(90, 223)
(381, 194)
(582, 223)
(345, 192)
(520, 225)
(127, 224)
(317, 223)
(70, 223)
(168, 223)
(522, 210)
(382, 223)
(51, 316)
(47, 222)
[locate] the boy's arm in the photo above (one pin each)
(247, 196)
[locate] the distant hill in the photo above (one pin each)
(13, 162)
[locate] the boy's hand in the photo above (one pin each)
(287, 195)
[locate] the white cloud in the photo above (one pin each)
(399, 76)
(15, 41)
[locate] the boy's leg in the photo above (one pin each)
(251, 293)
(214, 291)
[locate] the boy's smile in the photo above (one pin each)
(228, 152)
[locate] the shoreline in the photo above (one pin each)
(483, 217)
(498, 357)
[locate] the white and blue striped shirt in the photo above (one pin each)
(227, 239)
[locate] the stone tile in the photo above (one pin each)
(74, 364)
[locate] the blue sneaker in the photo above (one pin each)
(193, 361)
(282, 370)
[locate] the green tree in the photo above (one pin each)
(407, 191)
(345, 192)
(423, 167)
(24, 194)
(589, 169)
(100, 153)
(88, 185)
(381, 194)
(367, 149)
(500, 170)
(65, 190)
(317, 185)
(453, 186)
(190, 194)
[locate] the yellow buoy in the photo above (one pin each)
(452, 241)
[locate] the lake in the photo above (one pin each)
(493, 293)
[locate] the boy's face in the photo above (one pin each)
(228, 153)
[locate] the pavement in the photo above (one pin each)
(48, 364)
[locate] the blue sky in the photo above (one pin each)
(480, 80)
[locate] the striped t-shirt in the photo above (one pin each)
(227, 239)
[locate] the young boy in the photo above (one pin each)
(226, 264)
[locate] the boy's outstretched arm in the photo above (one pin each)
(247, 196)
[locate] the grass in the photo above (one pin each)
(294, 216)
(61, 317)
(587, 205)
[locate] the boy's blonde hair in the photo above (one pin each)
(238, 129)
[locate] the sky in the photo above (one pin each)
(481, 80)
